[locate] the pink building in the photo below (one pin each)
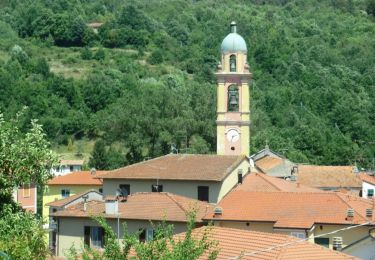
(26, 196)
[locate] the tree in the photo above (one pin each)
(370, 8)
(24, 158)
(98, 159)
(163, 246)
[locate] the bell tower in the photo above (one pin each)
(233, 96)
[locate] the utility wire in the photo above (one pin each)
(295, 242)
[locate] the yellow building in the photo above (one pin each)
(67, 185)
(233, 97)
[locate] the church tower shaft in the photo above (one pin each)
(233, 97)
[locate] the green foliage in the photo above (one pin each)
(103, 159)
(370, 8)
(21, 235)
(86, 54)
(162, 246)
(24, 159)
(156, 57)
(312, 62)
(98, 159)
(100, 54)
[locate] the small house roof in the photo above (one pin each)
(77, 178)
(156, 206)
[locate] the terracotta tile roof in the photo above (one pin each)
(65, 201)
(71, 162)
(263, 182)
(292, 209)
(268, 162)
(143, 206)
(367, 178)
(232, 243)
(180, 167)
(77, 178)
(328, 176)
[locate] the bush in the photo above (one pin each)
(86, 54)
(156, 57)
(100, 54)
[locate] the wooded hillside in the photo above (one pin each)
(145, 81)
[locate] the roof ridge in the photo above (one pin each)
(269, 181)
(135, 164)
(175, 201)
(235, 164)
(291, 192)
(314, 165)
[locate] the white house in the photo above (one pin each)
(368, 185)
(67, 166)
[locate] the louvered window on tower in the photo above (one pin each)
(233, 98)
(233, 63)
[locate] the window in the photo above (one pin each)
(203, 193)
(94, 236)
(125, 189)
(300, 235)
(232, 63)
(71, 168)
(323, 241)
(26, 190)
(142, 235)
(146, 234)
(101, 190)
(157, 188)
(65, 193)
(233, 98)
(370, 193)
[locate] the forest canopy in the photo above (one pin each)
(145, 81)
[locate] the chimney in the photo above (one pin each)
(85, 197)
(337, 243)
(111, 206)
(369, 213)
(218, 211)
(239, 176)
(93, 171)
(350, 214)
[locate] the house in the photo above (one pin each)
(65, 186)
(70, 184)
(273, 164)
(67, 166)
(368, 185)
(202, 177)
(61, 204)
(26, 196)
(246, 245)
(95, 26)
(141, 212)
(262, 182)
(329, 177)
(299, 214)
(363, 248)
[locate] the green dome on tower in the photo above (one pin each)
(233, 42)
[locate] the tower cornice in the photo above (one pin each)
(231, 122)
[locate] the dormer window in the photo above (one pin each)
(232, 62)
(233, 98)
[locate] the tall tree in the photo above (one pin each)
(24, 158)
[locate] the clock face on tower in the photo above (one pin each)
(233, 135)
